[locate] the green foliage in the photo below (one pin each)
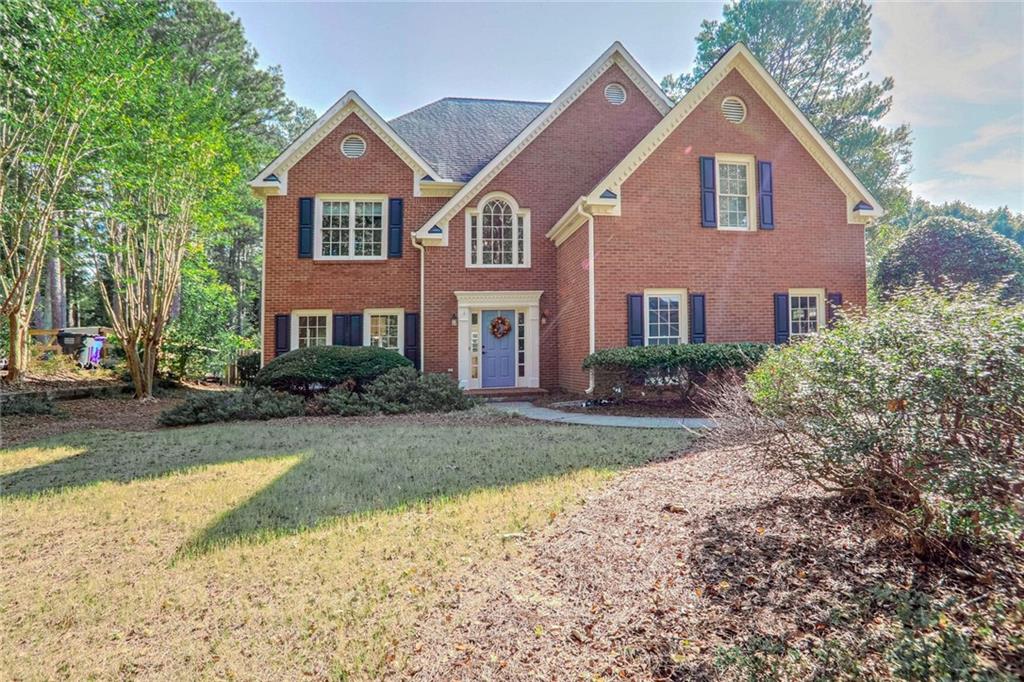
(918, 410)
(309, 370)
(248, 365)
(223, 406)
(14, 405)
(400, 390)
(671, 367)
(817, 51)
(947, 250)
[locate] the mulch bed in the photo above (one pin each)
(678, 564)
(626, 408)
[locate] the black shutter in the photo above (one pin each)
(340, 330)
(355, 329)
(412, 338)
(781, 318)
(282, 334)
(835, 301)
(708, 216)
(306, 227)
(698, 329)
(765, 203)
(394, 228)
(635, 320)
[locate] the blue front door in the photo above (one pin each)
(499, 355)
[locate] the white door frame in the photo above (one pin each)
(526, 302)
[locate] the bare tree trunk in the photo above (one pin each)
(17, 349)
(55, 287)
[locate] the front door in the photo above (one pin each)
(498, 354)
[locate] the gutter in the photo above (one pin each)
(591, 290)
(423, 315)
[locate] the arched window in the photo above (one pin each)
(498, 234)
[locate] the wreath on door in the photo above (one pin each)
(500, 327)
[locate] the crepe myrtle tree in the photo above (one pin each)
(59, 95)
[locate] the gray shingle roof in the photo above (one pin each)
(459, 135)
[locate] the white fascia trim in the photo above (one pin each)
(616, 54)
(740, 58)
(263, 281)
(510, 299)
(351, 102)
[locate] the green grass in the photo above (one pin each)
(270, 550)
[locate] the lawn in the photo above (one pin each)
(272, 550)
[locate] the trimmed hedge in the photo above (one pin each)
(674, 368)
(225, 406)
(400, 390)
(311, 370)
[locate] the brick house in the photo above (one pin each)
(501, 242)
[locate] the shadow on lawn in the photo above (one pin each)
(342, 470)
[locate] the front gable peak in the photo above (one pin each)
(273, 179)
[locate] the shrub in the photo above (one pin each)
(248, 365)
(918, 410)
(402, 389)
(222, 406)
(27, 404)
(658, 369)
(311, 370)
(943, 249)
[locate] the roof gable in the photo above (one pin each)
(614, 55)
(860, 202)
(273, 179)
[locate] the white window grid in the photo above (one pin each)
(384, 330)
(664, 318)
(804, 314)
(521, 343)
(351, 228)
(474, 346)
(498, 234)
(734, 195)
(312, 330)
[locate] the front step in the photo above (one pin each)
(497, 395)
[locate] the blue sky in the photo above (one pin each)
(958, 67)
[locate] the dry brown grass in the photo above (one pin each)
(271, 551)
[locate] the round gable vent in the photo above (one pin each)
(615, 93)
(734, 110)
(353, 146)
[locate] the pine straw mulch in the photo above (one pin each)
(126, 414)
(700, 568)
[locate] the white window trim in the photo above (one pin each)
(684, 311)
(820, 293)
(294, 340)
(751, 164)
(400, 312)
(517, 212)
(351, 198)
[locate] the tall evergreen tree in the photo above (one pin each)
(817, 51)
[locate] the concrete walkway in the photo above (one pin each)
(546, 414)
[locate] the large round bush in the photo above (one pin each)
(943, 249)
(917, 409)
(310, 370)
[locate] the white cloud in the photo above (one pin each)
(940, 53)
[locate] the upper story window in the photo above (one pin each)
(498, 234)
(735, 183)
(806, 311)
(665, 317)
(351, 228)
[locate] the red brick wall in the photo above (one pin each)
(573, 317)
(563, 163)
(344, 287)
(658, 242)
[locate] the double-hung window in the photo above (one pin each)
(384, 328)
(665, 321)
(806, 311)
(498, 234)
(735, 183)
(351, 228)
(310, 328)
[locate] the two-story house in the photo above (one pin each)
(503, 241)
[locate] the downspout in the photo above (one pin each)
(591, 298)
(423, 314)
(263, 283)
